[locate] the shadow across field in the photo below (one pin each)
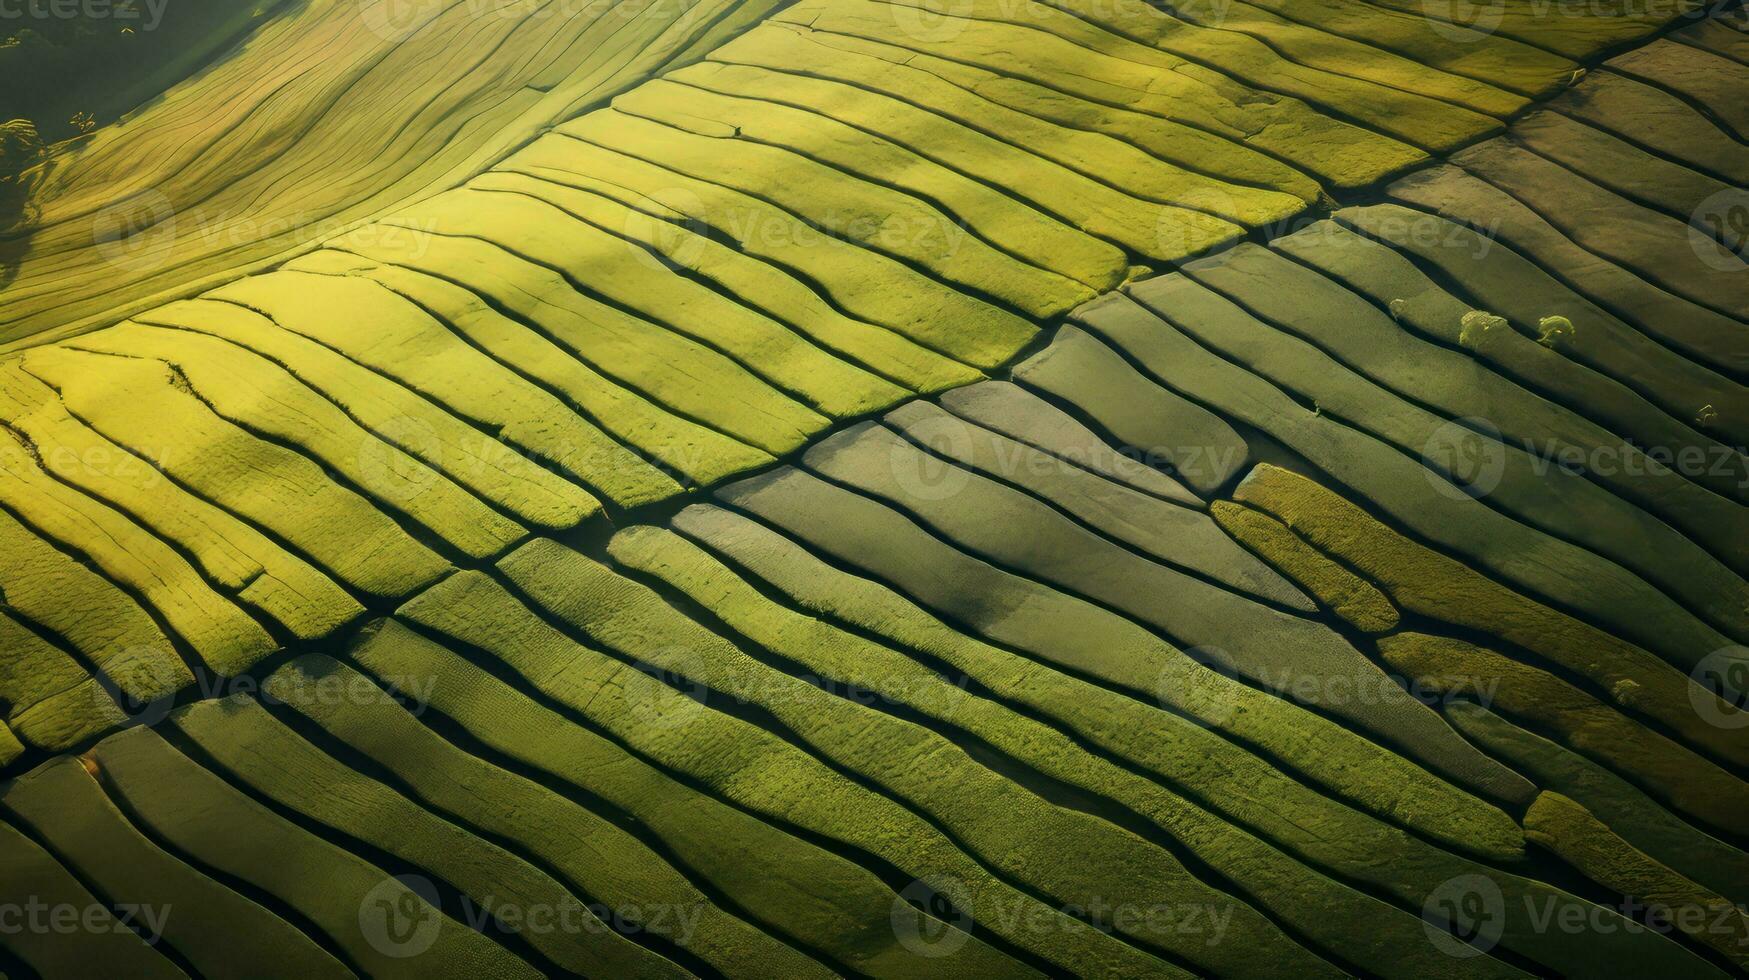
(21, 159)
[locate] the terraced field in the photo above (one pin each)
(325, 117)
(887, 488)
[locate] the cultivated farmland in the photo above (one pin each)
(888, 488)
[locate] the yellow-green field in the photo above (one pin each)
(889, 488)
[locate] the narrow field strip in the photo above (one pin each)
(413, 424)
(99, 631)
(1574, 35)
(517, 336)
(217, 828)
(853, 210)
(1415, 299)
(1645, 178)
(1715, 36)
(234, 555)
(1615, 228)
(1700, 78)
(281, 145)
(1037, 488)
(1155, 672)
(53, 702)
(764, 287)
(276, 408)
(129, 558)
(913, 76)
(1172, 535)
(1021, 233)
(715, 526)
(1198, 446)
(1268, 647)
(1687, 783)
(823, 900)
(1006, 408)
(1428, 583)
(764, 414)
(273, 485)
(1626, 809)
(1397, 482)
(1407, 115)
(1553, 500)
(32, 875)
(1341, 154)
(1499, 279)
(621, 275)
(748, 764)
(257, 752)
(981, 811)
(1315, 48)
(1705, 336)
(1105, 192)
(1433, 370)
(1487, 57)
(212, 928)
(842, 658)
(864, 283)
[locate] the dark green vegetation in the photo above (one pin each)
(101, 60)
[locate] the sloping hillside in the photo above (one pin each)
(985, 489)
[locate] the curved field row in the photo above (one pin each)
(274, 149)
(752, 659)
(324, 118)
(778, 523)
(828, 214)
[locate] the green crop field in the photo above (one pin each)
(874, 488)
